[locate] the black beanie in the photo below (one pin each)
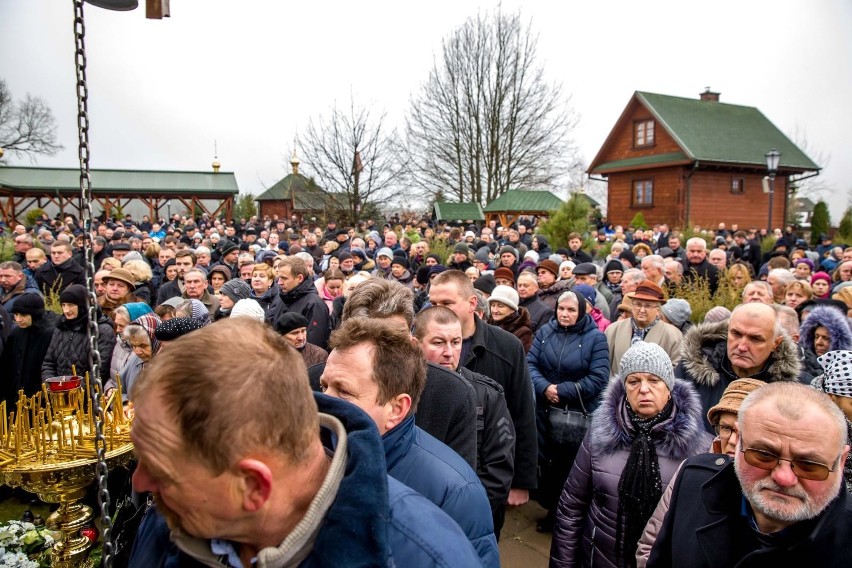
(170, 262)
(485, 283)
(400, 261)
(30, 304)
(423, 275)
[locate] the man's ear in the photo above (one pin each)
(256, 478)
(400, 405)
(778, 341)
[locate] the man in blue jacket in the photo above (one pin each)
(375, 365)
(242, 476)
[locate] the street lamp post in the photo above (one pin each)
(772, 159)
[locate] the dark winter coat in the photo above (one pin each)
(268, 297)
(70, 346)
(518, 324)
(20, 363)
(705, 363)
(67, 273)
(168, 290)
(303, 299)
(374, 519)
(495, 438)
(705, 526)
(543, 247)
(587, 516)
(447, 408)
(559, 357)
(540, 313)
(835, 322)
(703, 270)
(499, 355)
(26, 286)
(435, 471)
(550, 295)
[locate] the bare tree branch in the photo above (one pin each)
(27, 128)
(486, 120)
(353, 156)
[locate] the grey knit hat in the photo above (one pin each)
(677, 311)
(236, 289)
(647, 358)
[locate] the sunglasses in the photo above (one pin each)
(804, 469)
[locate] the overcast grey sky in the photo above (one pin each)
(250, 74)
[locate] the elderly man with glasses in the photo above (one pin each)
(644, 324)
(779, 502)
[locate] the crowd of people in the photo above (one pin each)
(378, 395)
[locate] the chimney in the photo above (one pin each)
(709, 95)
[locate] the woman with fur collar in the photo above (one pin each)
(647, 424)
(825, 329)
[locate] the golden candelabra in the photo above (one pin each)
(47, 447)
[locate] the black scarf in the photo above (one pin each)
(640, 486)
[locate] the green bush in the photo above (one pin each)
(844, 230)
(697, 292)
(638, 221)
(820, 222)
(442, 249)
(571, 217)
(32, 215)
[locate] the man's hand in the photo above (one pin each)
(518, 497)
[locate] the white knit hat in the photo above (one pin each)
(647, 358)
(248, 308)
(505, 295)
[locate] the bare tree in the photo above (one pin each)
(810, 185)
(27, 128)
(353, 156)
(486, 120)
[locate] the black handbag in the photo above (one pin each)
(568, 427)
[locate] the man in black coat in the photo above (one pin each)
(499, 355)
(298, 294)
(697, 266)
(540, 313)
(447, 408)
(438, 331)
(780, 502)
(61, 271)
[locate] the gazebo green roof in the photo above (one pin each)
(518, 200)
(113, 181)
(446, 211)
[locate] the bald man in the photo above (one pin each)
(751, 344)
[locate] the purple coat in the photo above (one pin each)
(585, 529)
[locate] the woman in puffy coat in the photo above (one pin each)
(826, 328)
(569, 358)
(647, 424)
(69, 346)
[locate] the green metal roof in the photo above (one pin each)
(282, 189)
(446, 211)
(34, 179)
(710, 131)
(523, 200)
(654, 160)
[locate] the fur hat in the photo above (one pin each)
(30, 304)
(733, 396)
(236, 289)
(505, 295)
(505, 273)
(290, 321)
(677, 311)
(647, 358)
(248, 308)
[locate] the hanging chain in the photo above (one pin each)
(92, 303)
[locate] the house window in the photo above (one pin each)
(738, 186)
(643, 133)
(643, 193)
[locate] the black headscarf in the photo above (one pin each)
(578, 325)
(640, 486)
(75, 294)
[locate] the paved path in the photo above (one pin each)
(520, 545)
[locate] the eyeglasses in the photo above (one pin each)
(804, 469)
(724, 431)
(645, 305)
